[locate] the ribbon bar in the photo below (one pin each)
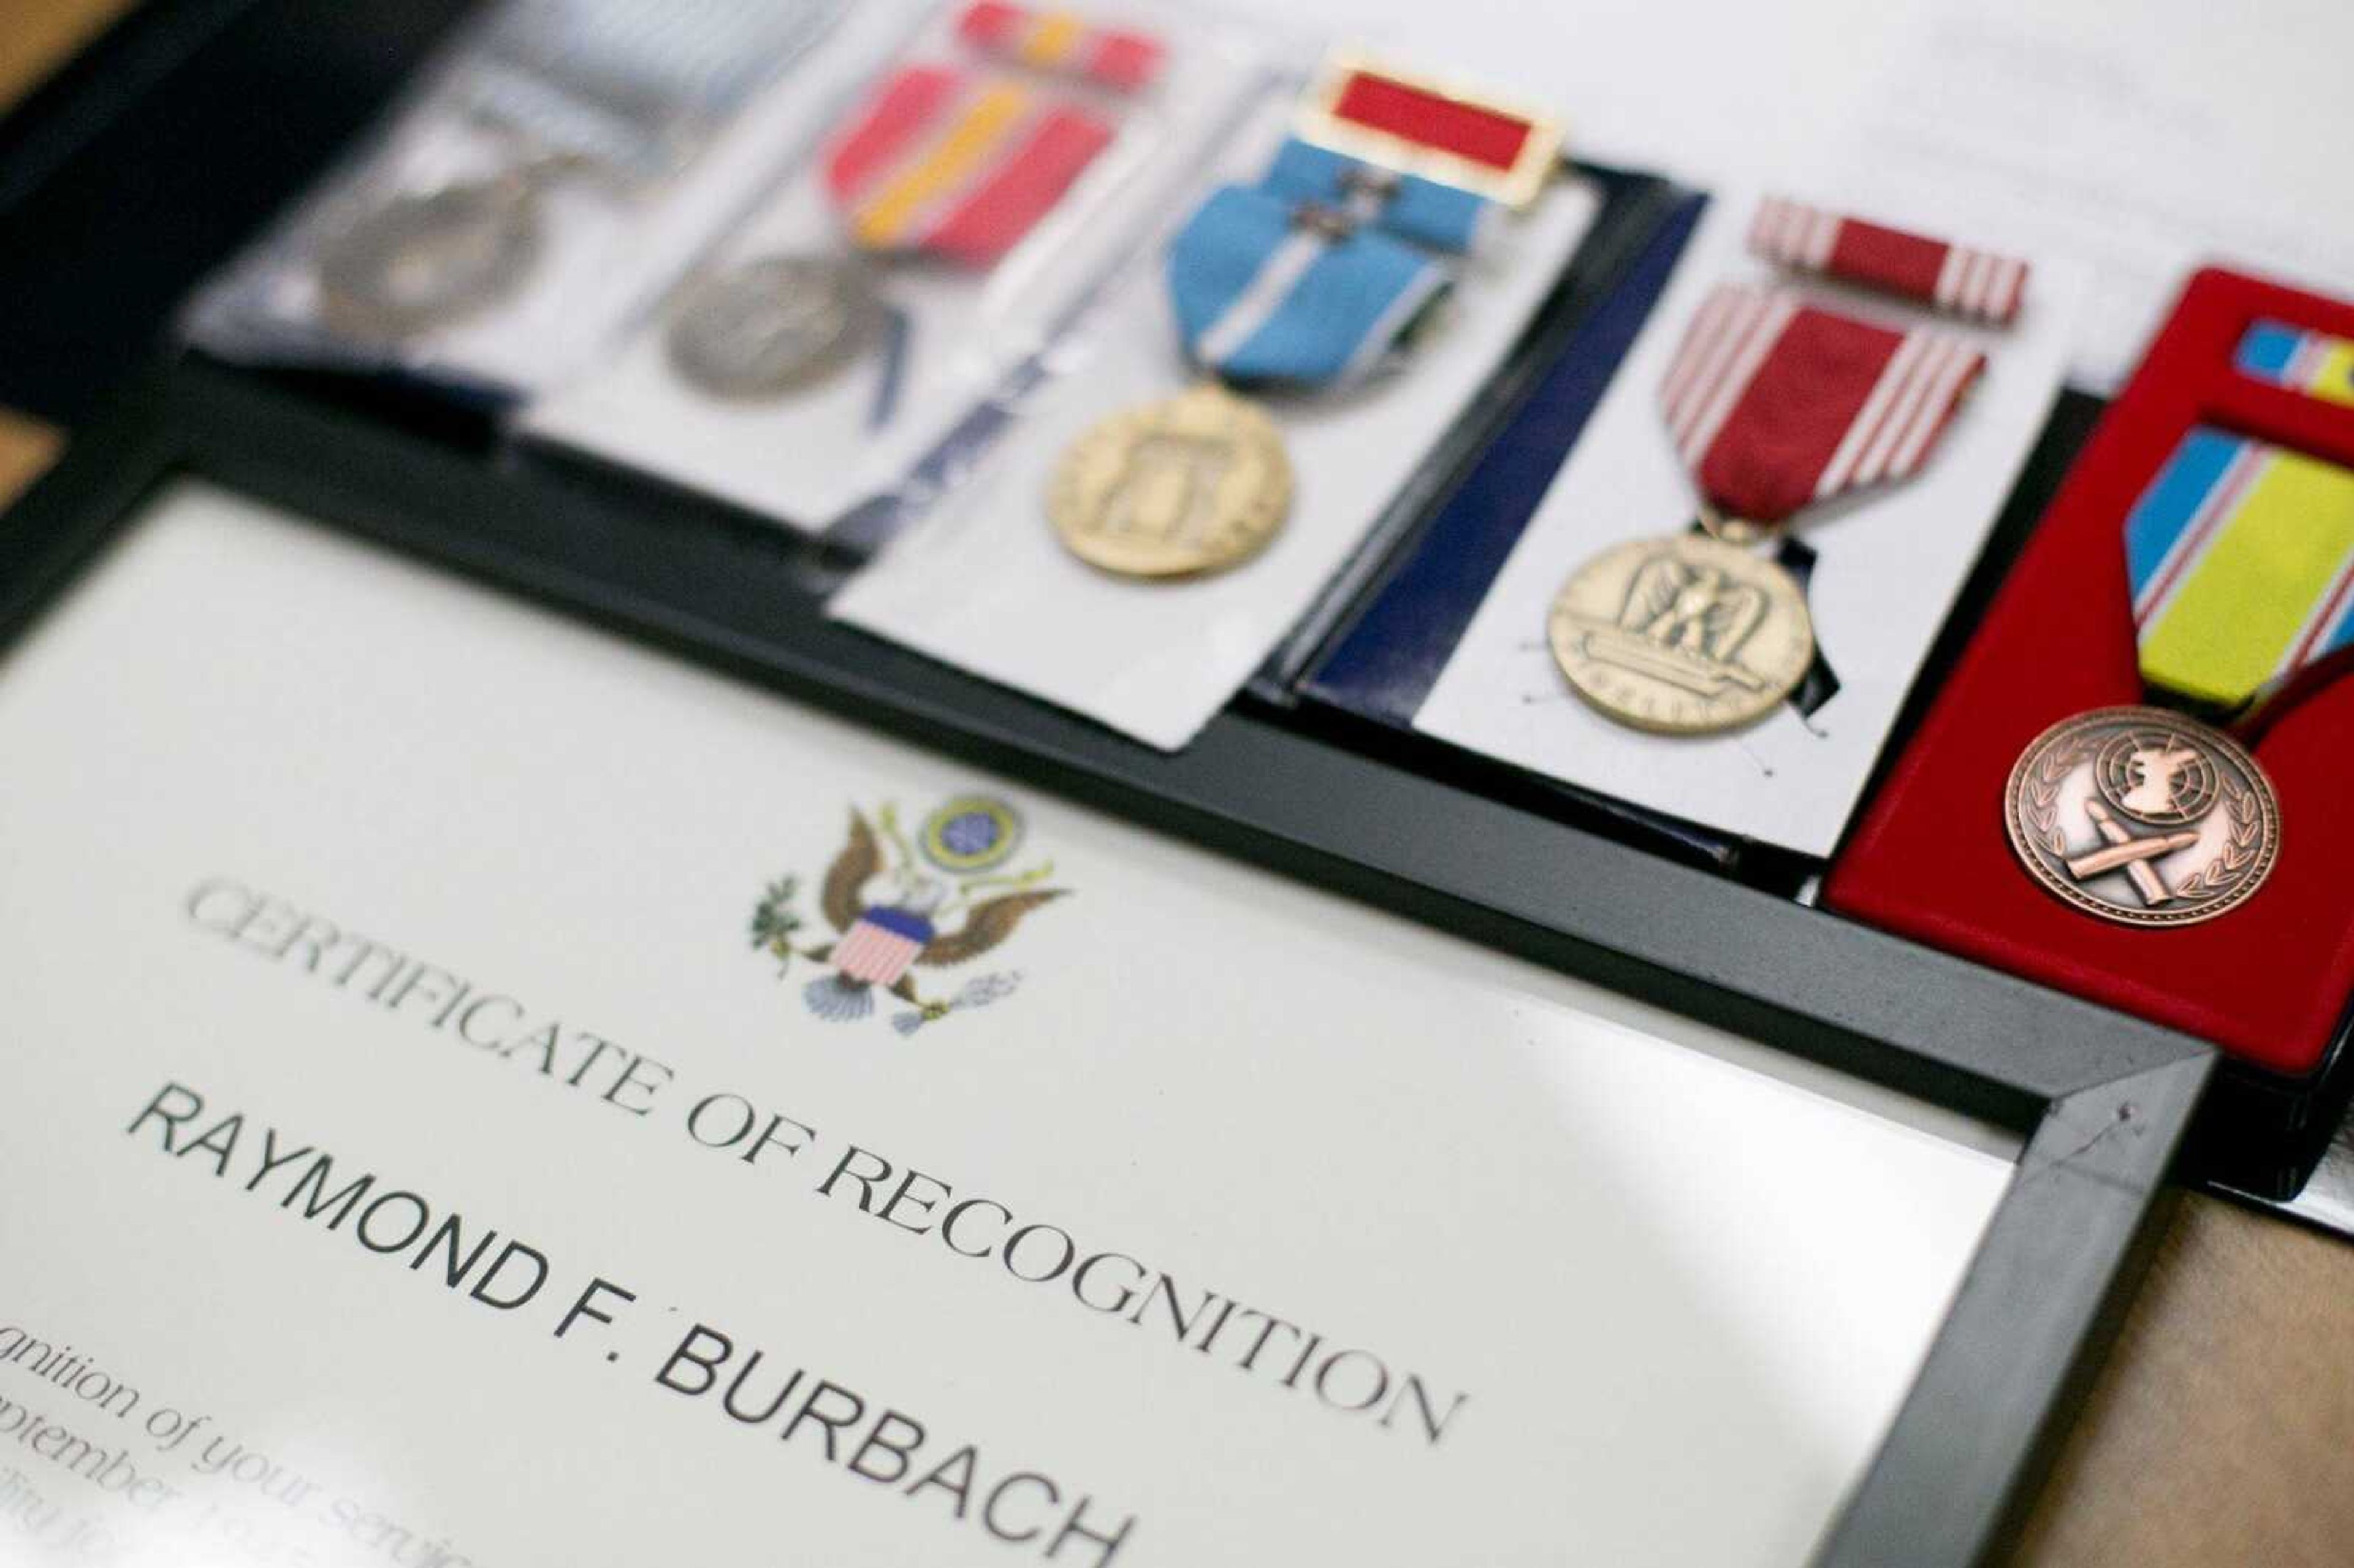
(957, 163)
(2313, 362)
(1441, 132)
(1775, 403)
(1960, 279)
(1061, 42)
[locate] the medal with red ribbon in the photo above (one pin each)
(956, 161)
(1773, 403)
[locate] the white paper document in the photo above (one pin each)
(482, 1094)
(2150, 139)
(983, 583)
(1890, 563)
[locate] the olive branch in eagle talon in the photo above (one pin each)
(879, 941)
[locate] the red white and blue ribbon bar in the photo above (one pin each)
(1775, 403)
(1960, 279)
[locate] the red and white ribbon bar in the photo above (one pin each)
(1775, 403)
(1958, 278)
(1061, 42)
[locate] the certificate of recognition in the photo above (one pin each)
(482, 1093)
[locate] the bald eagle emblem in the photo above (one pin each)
(898, 906)
(1684, 622)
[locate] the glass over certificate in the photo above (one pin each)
(482, 1093)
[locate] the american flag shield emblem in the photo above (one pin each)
(881, 944)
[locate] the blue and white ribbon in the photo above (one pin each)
(1419, 211)
(1308, 278)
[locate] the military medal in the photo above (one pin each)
(1192, 483)
(426, 259)
(1316, 277)
(938, 161)
(1682, 636)
(1773, 404)
(764, 328)
(2240, 555)
(2143, 817)
(594, 88)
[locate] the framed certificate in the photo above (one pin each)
(528, 1043)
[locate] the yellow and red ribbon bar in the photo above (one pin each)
(1438, 130)
(1063, 43)
(958, 164)
(1959, 279)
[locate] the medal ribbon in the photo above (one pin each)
(1310, 276)
(1775, 403)
(627, 83)
(2310, 362)
(1956, 278)
(957, 163)
(2241, 556)
(1061, 42)
(1487, 148)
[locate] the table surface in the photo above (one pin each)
(2220, 1428)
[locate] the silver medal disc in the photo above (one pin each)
(768, 326)
(423, 261)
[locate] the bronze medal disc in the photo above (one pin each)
(2143, 817)
(1190, 484)
(1683, 635)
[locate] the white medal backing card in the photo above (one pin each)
(984, 583)
(611, 225)
(1889, 564)
(810, 453)
(1633, 1337)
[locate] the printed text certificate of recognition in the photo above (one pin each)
(480, 1093)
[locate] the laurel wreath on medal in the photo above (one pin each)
(2042, 808)
(2239, 852)
(2232, 863)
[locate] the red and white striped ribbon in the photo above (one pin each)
(1774, 403)
(1958, 278)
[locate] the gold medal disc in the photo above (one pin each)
(1189, 484)
(2143, 817)
(1683, 635)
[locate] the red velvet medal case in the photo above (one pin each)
(1931, 858)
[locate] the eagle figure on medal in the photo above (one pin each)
(1774, 403)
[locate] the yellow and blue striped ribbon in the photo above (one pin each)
(2313, 362)
(2242, 559)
